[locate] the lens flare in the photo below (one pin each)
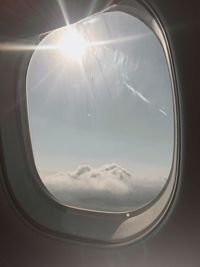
(73, 44)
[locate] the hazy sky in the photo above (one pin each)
(112, 106)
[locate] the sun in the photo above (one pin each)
(72, 44)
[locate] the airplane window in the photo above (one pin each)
(101, 117)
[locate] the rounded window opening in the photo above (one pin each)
(101, 116)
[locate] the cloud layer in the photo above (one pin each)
(108, 188)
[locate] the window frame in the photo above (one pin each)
(43, 210)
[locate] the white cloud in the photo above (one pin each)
(109, 187)
(109, 178)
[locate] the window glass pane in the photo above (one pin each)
(101, 113)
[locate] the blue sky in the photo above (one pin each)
(112, 106)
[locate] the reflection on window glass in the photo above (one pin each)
(101, 113)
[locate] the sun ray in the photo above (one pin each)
(24, 47)
(112, 41)
(63, 8)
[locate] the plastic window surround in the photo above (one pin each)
(36, 203)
